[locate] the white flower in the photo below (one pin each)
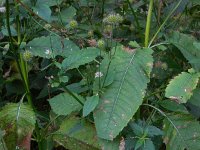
(98, 74)
(2, 9)
(48, 52)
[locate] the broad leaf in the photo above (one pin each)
(188, 46)
(51, 46)
(180, 88)
(43, 11)
(64, 104)
(81, 57)
(120, 101)
(90, 104)
(76, 134)
(18, 121)
(187, 136)
(67, 14)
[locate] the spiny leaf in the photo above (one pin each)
(122, 98)
(180, 88)
(64, 104)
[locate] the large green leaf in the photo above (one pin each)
(18, 121)
(122, 98)
(51, 46)
(76, 134)
(64, 104)
(188, 46)
(180, 88)
(43, 11)
(187, 136)
(81, 57)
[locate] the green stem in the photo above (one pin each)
(162, 25)
(148, 24)
(74, 96)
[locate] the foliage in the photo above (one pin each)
(99, 74)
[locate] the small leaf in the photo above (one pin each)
(43, 11)
(67, 14)
(90, 104)
(181, 87)
(134, 44)
(64, 104)
(81, 57)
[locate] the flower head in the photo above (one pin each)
(27, 55)
(91, 33)
(2, 9)
(98, 74)
(101, 44)
(73, 24)
(113, 19)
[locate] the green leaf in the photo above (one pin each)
(187, 136)
(18, 121)
(47, 47)
(195, 99)
(134, 44)
(90, 104)
(173, 106)
(64, 104)
(67, 14)
(103, 76)
(188, 46)
(180, 88)
(75, 134)
(81, 57)
(110, 145)
(43, 11)
(2, 143)
(122, 98)
(50, 2)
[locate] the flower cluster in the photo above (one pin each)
(27, 55)
(113, 19)
(2, 9)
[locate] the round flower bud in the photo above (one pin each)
(101, 44)
(108, 29)
(47, 26)
(73, 24)
(113, 19)
(90, 33)
(27, 55)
